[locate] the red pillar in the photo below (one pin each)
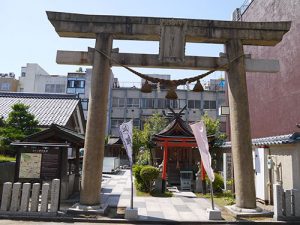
(203, 173)
(164, 171)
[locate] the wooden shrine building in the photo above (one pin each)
(58, 150)
(115, 148)
(176, 150)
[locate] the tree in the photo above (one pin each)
(213, 128)
(19, 124)
(142, 138)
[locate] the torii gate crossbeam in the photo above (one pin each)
(172, 35)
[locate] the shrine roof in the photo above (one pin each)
(61, 132)
(177, 128)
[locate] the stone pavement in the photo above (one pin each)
(116, 193)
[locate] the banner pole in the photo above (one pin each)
(131, 197)
(212, 195)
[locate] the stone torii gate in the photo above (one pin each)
(172, 35)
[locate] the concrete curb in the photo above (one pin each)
(63, 218)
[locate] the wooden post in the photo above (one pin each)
(164, 172)
(96, 124)
(77, 174)
(240, 127)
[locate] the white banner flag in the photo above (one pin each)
(126, 136)
(199, 131)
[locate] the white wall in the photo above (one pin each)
(288, 155)
(42, 80)
(27, 82)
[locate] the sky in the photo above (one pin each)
(28, 37)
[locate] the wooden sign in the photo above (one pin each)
(38, 162)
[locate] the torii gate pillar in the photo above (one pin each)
(240, 127)
(96, 124)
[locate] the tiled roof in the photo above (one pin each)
(47, 108)
(177, 127)
(273, 140)
(64, 133)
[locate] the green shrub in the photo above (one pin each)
(144, 177)
(139, 183)
(149, 174)
(218, 183)
(136, 169)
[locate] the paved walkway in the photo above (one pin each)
(116, 193)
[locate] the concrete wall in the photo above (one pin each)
(27, 78)
(288, 156)
(34, 79)
(42, 80)
(274, 98)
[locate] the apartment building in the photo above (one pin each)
(8, 83)
(130, 103)
(35, 79)
(80, 83)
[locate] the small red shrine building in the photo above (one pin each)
(176, 149)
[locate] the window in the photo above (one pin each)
(174, 104)
(5, 86)
(133, 102)
(71, 84)
(115, 102)
(79, 84)
(194, 104)
(191, 104)
(55, 88)
(23, 74)
(213, 104)
(49, 88)
(209, 104)
(160, 103)
(121, 102)
(116, 122)
(85, 103)
(60, 88)
(147, 103)
(197, 104)
(118, 102)
(182, 103)
(71, 90)
(79, 90)
(136, 123)
(76, 84)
